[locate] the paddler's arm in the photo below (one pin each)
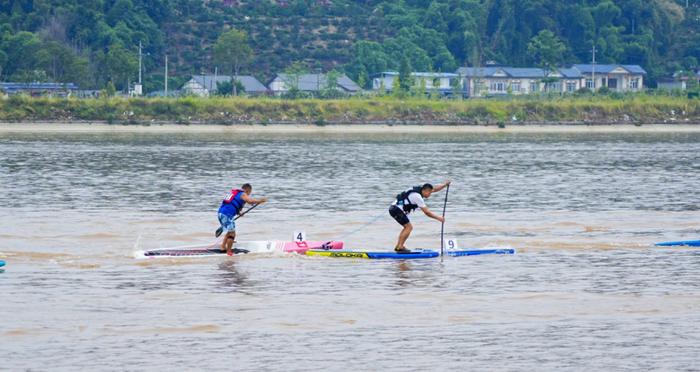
(441, 186)
(430, 214)
(246, 198)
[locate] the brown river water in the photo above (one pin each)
(587, 289)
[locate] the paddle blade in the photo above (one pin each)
(219, 231)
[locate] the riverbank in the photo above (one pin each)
(598, 110)
(48, 127)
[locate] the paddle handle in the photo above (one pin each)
(442, 228)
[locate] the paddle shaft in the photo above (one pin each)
(442, 228)
(248, 210)
(221, 229)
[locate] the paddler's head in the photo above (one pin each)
(247, 188)
(426, 190)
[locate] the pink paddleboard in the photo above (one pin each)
(302, 247)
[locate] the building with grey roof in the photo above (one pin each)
(39, 89)
(206, 85)
(311, 83)
(618, 78)
(501, 80)
(439, 82)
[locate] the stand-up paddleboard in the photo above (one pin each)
(415, 254)
(424, 253)
(2, 263)
(239, 248)
(476, 252)
(687, 243)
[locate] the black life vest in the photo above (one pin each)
(403, 202)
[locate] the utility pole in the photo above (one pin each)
(166, 75)
(216, 79)
(140, 58)
(593, 70)
(138, 88)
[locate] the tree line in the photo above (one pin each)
(95, 42)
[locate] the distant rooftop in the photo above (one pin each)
(313, 82)
(605, 69)
(250, 84)
(516, 72)
(10, 86)
(423, 74)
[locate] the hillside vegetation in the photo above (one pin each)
(92, 42)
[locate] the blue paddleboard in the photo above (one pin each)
(2, 263)
(476, 252)
(373, 255)
(688, 243)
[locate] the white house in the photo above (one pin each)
(205, 85)
(618, 78)
(310, 83)
(433, 81)
(502, 80)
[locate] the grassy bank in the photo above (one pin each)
(190, 110)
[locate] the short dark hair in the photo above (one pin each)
(247, 186)
(427, 186)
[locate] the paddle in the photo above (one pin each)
(221, 229)
(442, 228)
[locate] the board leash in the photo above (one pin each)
(373, 220)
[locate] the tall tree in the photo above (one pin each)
(122, 65)
(405, 79)
(546, 50)
(232, 52)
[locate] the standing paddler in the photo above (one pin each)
(408, 201)
(230, 207)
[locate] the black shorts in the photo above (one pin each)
(399, 215)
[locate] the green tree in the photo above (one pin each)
(405, 79)
(227, 88)
(547, 50)
(291, 81)
(232, 52)
(122, 65)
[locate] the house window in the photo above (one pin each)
(634, 84)
(515, 87)
(570, 86)
(498, 87)
(554, 87)
(590, 84)
(534, 87)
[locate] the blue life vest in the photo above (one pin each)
(232, 204)
(403, 201)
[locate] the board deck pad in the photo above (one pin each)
(680, 243)
(262, 246)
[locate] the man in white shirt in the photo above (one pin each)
(408, 201)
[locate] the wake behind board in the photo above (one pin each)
(211, 250)
(680, 243)
(416, 254)
(477, 252)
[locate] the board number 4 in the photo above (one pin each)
(451, 244)
(299, 236)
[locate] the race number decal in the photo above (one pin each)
(451, 244)
(299, 236)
